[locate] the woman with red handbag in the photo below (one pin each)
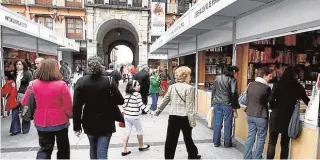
(132, 107)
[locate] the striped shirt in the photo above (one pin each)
(133, 106)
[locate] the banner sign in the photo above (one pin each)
(158, 18)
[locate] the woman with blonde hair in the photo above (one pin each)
(181, 115)
(54, 109)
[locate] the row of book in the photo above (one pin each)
(283, 57)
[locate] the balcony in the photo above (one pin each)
(172, 8)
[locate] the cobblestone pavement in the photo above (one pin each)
(154, 128)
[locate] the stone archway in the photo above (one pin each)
(117, 32)
(101, 21)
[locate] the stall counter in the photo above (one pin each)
(304, 147)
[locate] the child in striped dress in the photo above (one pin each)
(133, 107)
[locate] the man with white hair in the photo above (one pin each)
(38, 63)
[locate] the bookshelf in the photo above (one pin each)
(216, 60)
(301, 50)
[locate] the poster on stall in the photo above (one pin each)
(312, 111)
(158, 18)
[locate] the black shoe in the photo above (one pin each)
(216, 145)
(125, 153)
(25, 132)
(145, 148)
(196, 157)
(13, 134)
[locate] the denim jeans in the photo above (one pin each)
(99, 146)
(154, 101)
(256, 127)
(222, 113)
(16, 125)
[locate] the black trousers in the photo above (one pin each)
(175, 124)
(46, 142)
(273, 138)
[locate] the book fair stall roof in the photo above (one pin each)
(21, 33)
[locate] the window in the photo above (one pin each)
(118, 2)
(74, 28)
(136, 3)
(74, 3)
(44, 2)
(45, 21)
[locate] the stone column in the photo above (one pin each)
(91, 43)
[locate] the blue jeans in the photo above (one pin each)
(16, 125)
(99, 146)
(154, 101)
(259, 127)
(222, 113)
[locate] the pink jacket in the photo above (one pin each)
(54, 103)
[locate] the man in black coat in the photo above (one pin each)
(114, 74)
(143, 78)
(100, 98)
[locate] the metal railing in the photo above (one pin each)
(13, 1)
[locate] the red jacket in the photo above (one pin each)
(10, 91)
(54, 104)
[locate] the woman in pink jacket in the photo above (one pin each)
(54, 109)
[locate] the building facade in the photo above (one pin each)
(117, 22)
(67, 17)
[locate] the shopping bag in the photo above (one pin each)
(295, 126)
(210, 118)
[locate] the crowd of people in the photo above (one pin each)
(97, 98)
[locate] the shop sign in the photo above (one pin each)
(207, 8)
(50, 35)
(181, 25)
(17, 22)
(158, 18)
(70, 44)
(158, 56)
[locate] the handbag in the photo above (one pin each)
(243, 98)
(30, 108)
(122, 124)
(295, 125)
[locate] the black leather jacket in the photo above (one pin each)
(224, 92)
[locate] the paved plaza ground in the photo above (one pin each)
(154, 128)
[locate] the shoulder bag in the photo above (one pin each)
(243, 98)
(30, 108)
(295, 125)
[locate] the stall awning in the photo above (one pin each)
(21, 33)
(207, 16)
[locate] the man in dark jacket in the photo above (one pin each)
(225, 101)
(143, 78)
(64, 72)
(114, 74)
(100, 98)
